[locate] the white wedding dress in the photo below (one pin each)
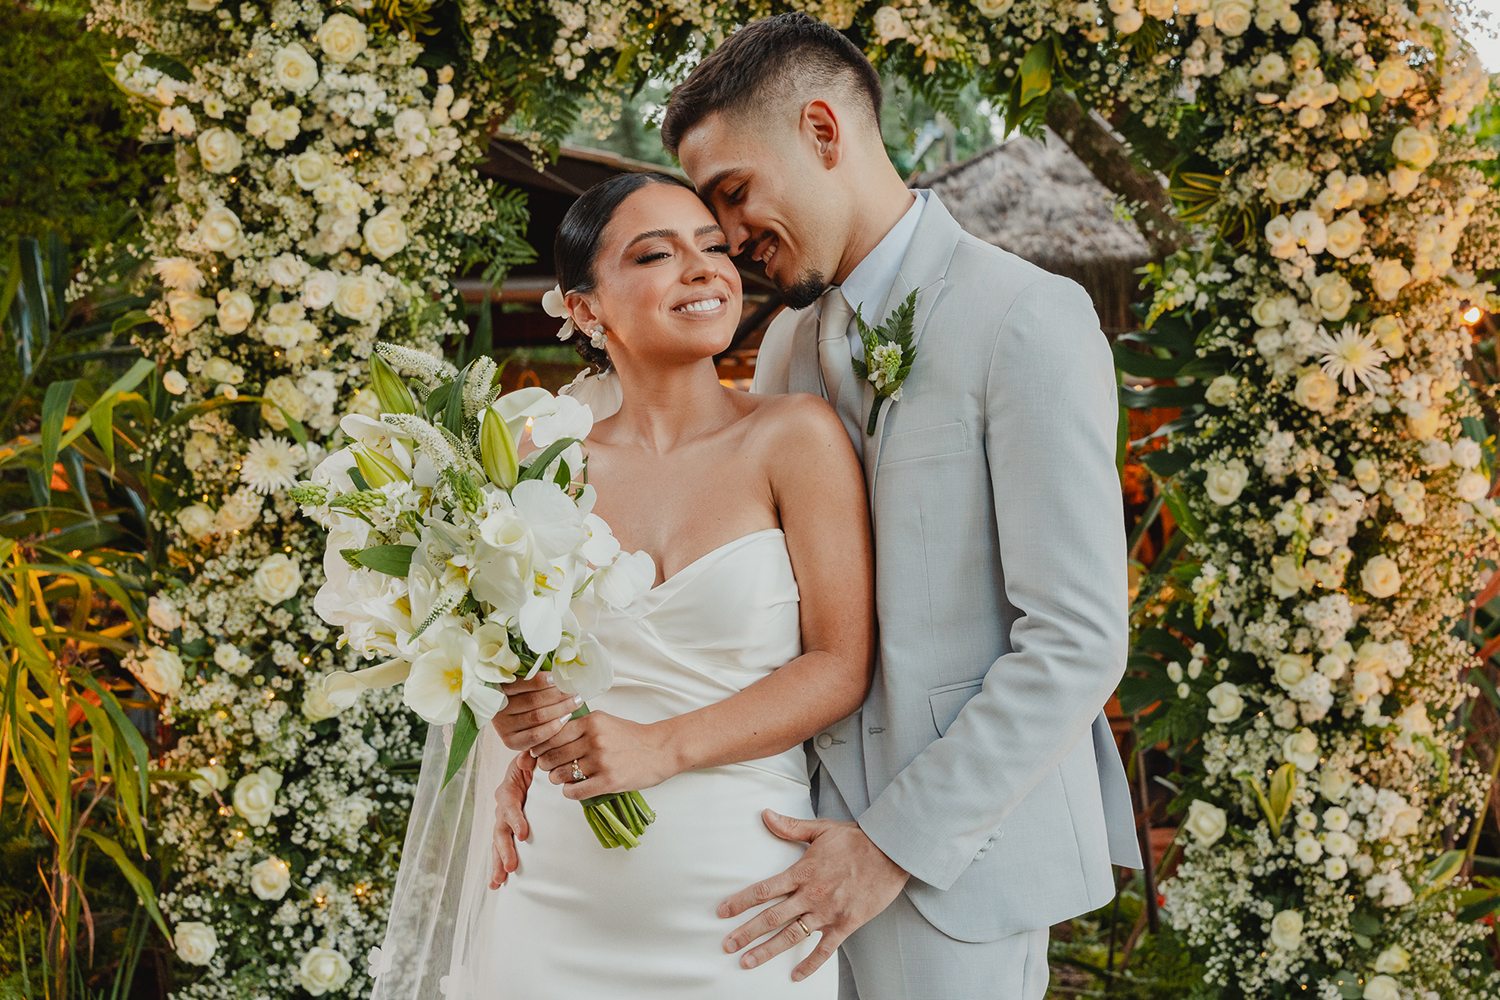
(577, 921)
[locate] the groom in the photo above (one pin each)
(977, 797)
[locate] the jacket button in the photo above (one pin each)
(825, 740)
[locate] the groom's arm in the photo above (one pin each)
(1050, 438)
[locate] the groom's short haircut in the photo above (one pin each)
(764, 63)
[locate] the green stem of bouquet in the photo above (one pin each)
(620, 818)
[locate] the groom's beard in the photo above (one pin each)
(805, 291)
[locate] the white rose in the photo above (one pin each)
(219, 150)
(1473, 486)
(1206, 821)
(1301, 748)
(1382, 988)
(1226, 482)
(315, 704)
(212, 778)
(221, 370)
(385, 233)
(162, 614)
(1389, 277)
(188, 311)
(323, 970)
(310, 169)
(219, 230)
(287, 270)
(341, 38)
(1415, 148)
(1332, 296)
(1345, 235)
(240, 511)
(1394, 960)
(1227, 703)
(1221, 390)
(277, 578)
(174, 382)
(1291, 668)
(1287, 579)
(1232, 17)
(1287, 183)
(460, 110)
(160, 670)
(993, 8)
(283, 399)
(1402, 181)
(358, 297)
(1286, 930)
(319, 289)
(195, 942)
(236, 310)
(197, 520)
(1390, 334)
(1381, 577)
(409, 124)
(888, 25)
(1466, 453)
(255, 796)
(1316, 391)
(1129, 21)
(270, 879)
(294, 68)
(1393, 77)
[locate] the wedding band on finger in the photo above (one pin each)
(805, 932)
(578, 774)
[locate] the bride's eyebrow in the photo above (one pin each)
(671, 234)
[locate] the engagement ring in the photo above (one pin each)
(577, 772)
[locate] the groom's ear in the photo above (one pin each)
(821, 127)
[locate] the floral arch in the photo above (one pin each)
(1331, 471)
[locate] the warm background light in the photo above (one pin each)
(1473, 315)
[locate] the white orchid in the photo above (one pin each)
(444, 677)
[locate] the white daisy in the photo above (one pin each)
(1351, 356)
(271, 464)
(179, 273)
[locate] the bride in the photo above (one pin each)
(758, 634)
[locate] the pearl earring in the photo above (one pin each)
(597, 337)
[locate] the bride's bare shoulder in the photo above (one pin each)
(799, 419)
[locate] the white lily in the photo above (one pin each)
(379, 438)
(443, 678)
(497, 663)
(515, 408)
(343, 688)
(541, 616)
(583, 667)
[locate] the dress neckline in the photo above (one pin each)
(711, 553)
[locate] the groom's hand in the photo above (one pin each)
(839, 885)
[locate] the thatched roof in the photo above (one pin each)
(1038, 200)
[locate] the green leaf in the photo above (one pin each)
(1479, 680)
(392, 560)
(1144, 365)
(138, 881)
(1441, 871)
(465, 732)
(1036, 71)
(129, 321)
(54, 409)
(540, 462)
(1163, 397)
(131, 735)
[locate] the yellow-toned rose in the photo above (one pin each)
(219, 150)
(219, 230)
(1380, 577)
(1345, 234)
(1287, 182)
(294, 69)
(188, 310)
(195, 942)
(197, 521)
(236, 310)
(270, 878)
(1389, 277)
(1415, 148)
(1390, 334)
(993, 8)
(1316, 391)
(358, 297)
(283, 399)
(385, 233)
(1233, 17)
(310, 168)
(1332, 296)
(341, 38)
(255, 796)
(1394, 77)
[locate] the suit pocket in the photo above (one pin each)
(947, 701)
(924, 442)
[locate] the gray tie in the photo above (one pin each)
(840, 385)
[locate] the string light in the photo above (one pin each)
(1473, 315)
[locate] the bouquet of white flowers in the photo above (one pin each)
(462, 567)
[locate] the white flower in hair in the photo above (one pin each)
(554, 305)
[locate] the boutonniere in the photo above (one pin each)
(889, 353)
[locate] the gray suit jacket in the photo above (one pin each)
(981, 761)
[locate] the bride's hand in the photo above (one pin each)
(614, 754)
(535, 712)
(510, 816)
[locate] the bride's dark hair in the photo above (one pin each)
(576, 247)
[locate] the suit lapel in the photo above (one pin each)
(926, 298)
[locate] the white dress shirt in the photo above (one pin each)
(866, 287)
